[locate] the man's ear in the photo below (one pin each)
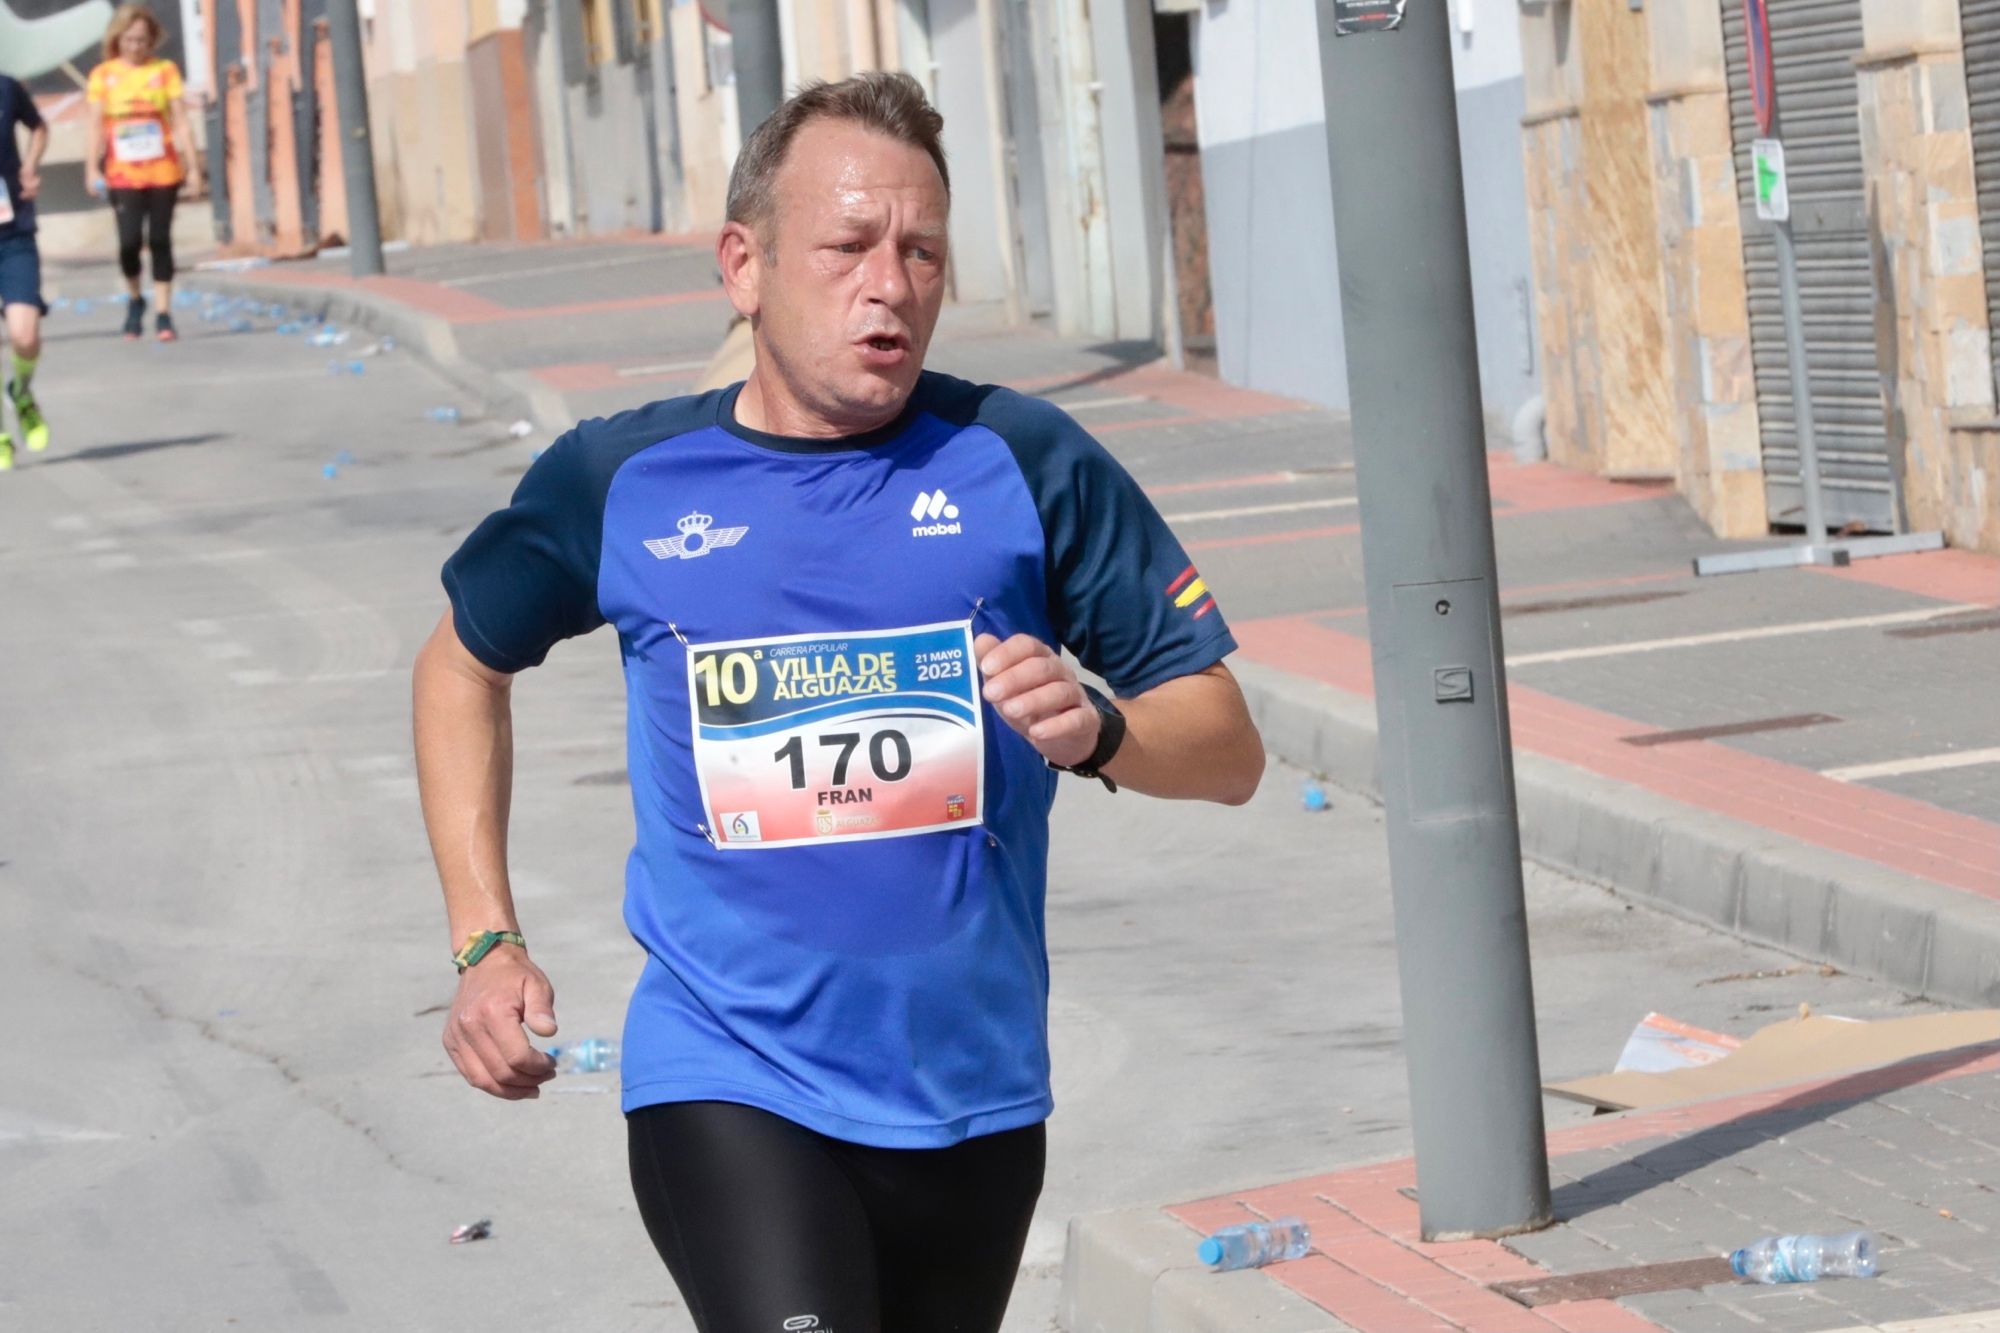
(740, 256)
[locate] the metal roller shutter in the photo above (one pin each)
(1981, 22)
(1813, 43)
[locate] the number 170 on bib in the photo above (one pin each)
(818, 738)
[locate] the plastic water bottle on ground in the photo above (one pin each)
(1313, 798)
(592, 1055)
(444, 416)
(1806, 1258)
(239, 325)
(1254, 1244)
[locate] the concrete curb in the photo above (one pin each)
(1119, 1264)
(1822, 905)
(429, 336)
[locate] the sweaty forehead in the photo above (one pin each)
(840, 167)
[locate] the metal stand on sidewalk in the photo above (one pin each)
(1447, 772)
(1774, 205)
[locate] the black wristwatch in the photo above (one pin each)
(1110, 735)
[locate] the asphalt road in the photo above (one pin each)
(222, 952)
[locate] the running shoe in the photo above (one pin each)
(34, 430)
(135, 317)
(164, 328)
(6, 452)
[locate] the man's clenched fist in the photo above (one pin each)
(1037, 693)
(483, 1035)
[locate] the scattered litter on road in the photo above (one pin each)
(343, 458)
(1254, 1244)
(480, 1230)
(1792, 1050)
(328, 336)
(1806, 1258)
(329, 471)
(521, 430)
(290, 326)
(239, 326)
(60, 303)
(1823, 969)
(347, 367)
(444, 416)
(1314, 798)
(243, 265)
(83, 305)
(1659, 1044)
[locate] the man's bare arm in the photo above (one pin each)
(463, 722)
(1190, 738)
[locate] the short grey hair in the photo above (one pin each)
(887, 102)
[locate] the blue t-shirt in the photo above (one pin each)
(16, 108)
(842, 850)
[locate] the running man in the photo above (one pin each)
(142, 149)
(840, 590)
(21, 262)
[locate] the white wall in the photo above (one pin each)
(1262, 125)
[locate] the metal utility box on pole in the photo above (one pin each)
(357, 154)
(1445, 761)
(757, 48)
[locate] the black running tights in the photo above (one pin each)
(146, 216)
(767, 1226)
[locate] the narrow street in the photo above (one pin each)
(223, 950)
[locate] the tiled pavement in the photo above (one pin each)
(1911, 1152)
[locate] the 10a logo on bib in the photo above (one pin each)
(813, 738)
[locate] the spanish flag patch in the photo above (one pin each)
(1188, 589)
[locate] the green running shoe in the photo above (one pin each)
(34, 430)
(6, 452)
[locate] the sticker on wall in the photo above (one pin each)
(1352, 16)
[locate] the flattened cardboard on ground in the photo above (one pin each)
(1788, 1052)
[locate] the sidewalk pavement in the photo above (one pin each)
(1809, 758)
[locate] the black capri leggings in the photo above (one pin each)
(768, 1226)
(146, 215)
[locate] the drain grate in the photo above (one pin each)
(1607, 1283)
(1789, 723)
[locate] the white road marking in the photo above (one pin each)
(663, 368)
(1252, 511)
(1090, 404)
(1742, 635)
(1929, 763)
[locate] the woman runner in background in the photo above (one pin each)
(141, 147)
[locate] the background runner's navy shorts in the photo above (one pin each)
(21, 272)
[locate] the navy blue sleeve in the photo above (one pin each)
(25, 109)
(1123, 595)
(526, 577)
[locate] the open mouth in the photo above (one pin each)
(884, 343)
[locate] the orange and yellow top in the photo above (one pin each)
(138, 135)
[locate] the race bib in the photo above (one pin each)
(814, 738)
(6, 204)
(139, 141)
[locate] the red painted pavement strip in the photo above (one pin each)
(1949, 576)
(1908, 835)
(1380, 1278)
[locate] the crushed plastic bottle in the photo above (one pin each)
(1806, 1258)
(592, 1055)
(239, 325)
(444, 416)
(343, 458)
(83, 305)
(347, 367)
(1313, 797)
(1254, 1244)
(329, 471)
(328, 336)
(521, 430)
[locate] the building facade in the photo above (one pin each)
(1656, 284)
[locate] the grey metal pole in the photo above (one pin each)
(757, 47)
(357, 156)
(1802, 404)
(1446, 766)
